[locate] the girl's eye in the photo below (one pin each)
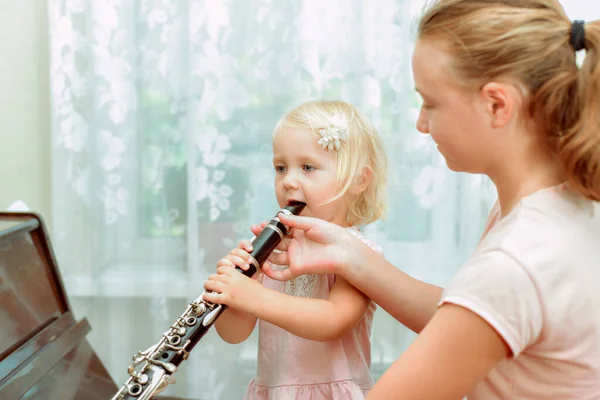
(279, 168)
(308, 168)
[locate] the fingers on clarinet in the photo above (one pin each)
(246, 246)
(209, 285)
(240, 253)
(294, 221)
(224, 270)
(224, 262)
(238, 262)
(217, 286)
(211, 297)
(267, 266)
(256, 229)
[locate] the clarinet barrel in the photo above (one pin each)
(152, 370)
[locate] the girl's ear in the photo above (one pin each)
(362, 181)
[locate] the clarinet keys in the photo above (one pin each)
(200, 308)
(152, 369)
(211, 316)
(134, 389)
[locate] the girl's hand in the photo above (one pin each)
(230, 287)
(315, 247)
(238, 257)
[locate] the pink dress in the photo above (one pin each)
(292, 368)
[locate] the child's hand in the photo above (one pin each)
(239, 257)
(229, 286)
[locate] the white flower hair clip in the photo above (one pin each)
(333, 134)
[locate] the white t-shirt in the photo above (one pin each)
(535, 278)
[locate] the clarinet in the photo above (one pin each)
(158, 363)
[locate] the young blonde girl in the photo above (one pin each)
(502, 96)
(314, 330)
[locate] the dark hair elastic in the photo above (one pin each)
(578, 35)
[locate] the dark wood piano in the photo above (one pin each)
(44, 353)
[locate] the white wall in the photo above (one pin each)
(24, 105)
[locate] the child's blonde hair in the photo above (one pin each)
(530, 41)
(363, 148)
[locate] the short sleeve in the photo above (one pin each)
(497, 288)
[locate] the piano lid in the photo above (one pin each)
(32, 294)
(44, 353)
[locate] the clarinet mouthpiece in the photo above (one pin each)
(295, 207)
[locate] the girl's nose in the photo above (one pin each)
(290, 182)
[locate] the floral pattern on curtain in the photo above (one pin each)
(162, 118)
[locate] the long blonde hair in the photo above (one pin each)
(529, 40)
(362, 149)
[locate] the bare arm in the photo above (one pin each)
(410, 301)
(452, 354)
(314, 319)
(235, 326)
(321, 247)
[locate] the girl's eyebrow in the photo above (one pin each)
(296, 157)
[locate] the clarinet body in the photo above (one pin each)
(152, 369)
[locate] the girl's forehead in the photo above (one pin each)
(287, 130)
(295, 137)
(299, 143)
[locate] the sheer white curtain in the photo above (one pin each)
(162, 120)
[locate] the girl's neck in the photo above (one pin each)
(345, 224)
(341, 219)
